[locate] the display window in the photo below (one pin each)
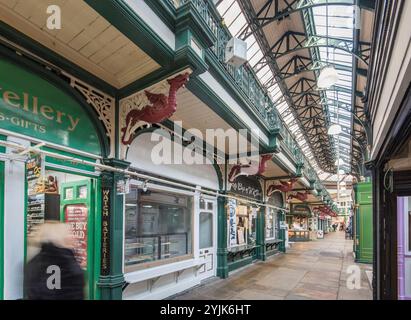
(158, 228)
(272, 227)
(241, 223)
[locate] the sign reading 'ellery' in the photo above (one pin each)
(33, 105)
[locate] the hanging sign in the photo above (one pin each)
(32, 106)
(76, 217)
(248, 187)
(232, 223)
(105, 232)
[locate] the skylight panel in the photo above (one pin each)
(232, 13)
(224, 6)
(238, 24)
(256, 58)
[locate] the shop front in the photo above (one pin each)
(170, 224)
(363, 223)
(299, 222)
(44, 122)
(274, 224)
(245, 222)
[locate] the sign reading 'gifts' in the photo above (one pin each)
(33, 106)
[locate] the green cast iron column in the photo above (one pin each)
(261, 254)
(111, 279)
(222, 266)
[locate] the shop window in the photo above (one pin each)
(206, 230)
(241, 224)
(271, 224)
(158, 227)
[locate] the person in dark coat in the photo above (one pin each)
(54, 273)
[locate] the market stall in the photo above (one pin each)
(298, 222)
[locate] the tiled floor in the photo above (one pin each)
(309, 270)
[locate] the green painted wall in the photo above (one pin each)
(363, 227)
(35, 107)
(1, 228)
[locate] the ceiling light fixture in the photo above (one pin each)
(334, 130)
(328, 75)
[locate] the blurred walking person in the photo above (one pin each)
(54, 273)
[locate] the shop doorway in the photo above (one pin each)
(207, 237)
(69, 198)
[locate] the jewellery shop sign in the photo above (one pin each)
(248, 187)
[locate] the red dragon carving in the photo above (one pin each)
(161, 108)
(283, 186)
(251, 169)
(299, 196)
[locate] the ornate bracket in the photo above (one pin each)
(250, 169)
(283, 186)
(153, 104)
(102, 103)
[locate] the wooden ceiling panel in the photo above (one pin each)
(86, 39)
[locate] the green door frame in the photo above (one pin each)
(1, 230)
(92, 226)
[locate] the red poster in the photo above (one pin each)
(76, 216)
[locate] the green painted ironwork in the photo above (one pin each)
(244, 77)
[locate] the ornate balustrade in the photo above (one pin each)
(244, 78)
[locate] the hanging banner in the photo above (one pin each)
(232, 223)
(105, 232)
(76, 216)
(248, 187)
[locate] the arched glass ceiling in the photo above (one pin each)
(337, 101)
(338, 22)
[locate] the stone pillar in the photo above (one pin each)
(222, 265)
(111, 278)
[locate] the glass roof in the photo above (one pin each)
(236, 23)
(338, 22)
(337, 99)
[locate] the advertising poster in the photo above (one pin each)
(35, 205)
(232, 225)
(76, 216)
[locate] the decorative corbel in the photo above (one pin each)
(151, 105)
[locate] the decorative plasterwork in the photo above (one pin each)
(102, 103)
(138, 101)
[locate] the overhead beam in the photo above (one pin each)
(271, 11)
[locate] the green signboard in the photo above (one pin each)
(34, 107)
